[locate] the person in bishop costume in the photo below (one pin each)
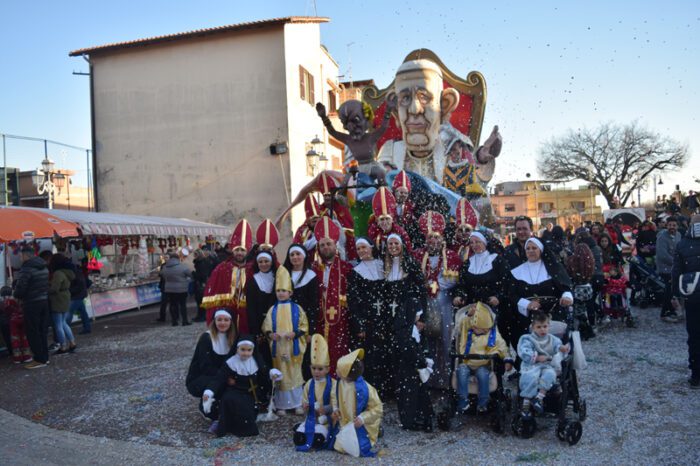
(318, 400)
(464, 223)
(440, 267)
(213, 348)
(305, 294)
(305, 233)
(286, 328)
(340, 214)
(383, 223)
(333, 319)
(260, 296)
(240, 386)
(359, 410)
(405, 210)
(371, 330)
(537, 285)
(227, 284)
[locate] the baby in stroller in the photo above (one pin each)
(614, 297)
(538, 352)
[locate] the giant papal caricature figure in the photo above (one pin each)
(424, 110)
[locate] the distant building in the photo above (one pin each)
(214, 124)
(22, 190)
(544, 203)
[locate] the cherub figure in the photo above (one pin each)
(356, 118)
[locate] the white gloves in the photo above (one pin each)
(275, 375)
(206, 404)
(429, 362)
(424, 374)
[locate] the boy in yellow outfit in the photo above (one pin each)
(359, 409)
(286, 326)
(478, 335)
(318, 400)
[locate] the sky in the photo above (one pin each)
(549, 66)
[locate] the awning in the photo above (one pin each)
(105, 223)
(18, 224)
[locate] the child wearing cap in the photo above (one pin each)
(358, 413)
(318, 401)
(286, 327)
(478, 335)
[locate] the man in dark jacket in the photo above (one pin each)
(666, 242)
(177, 279)
(515, 253)
(686, 276)
(32, 288)
(203, 266)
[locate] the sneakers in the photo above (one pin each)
(36, 364)
(299, 411)
(213, 427)
(537, 405)
(60, 351)
(482, 409)
(605, 320)
(72, 348)
(670, 318)
(281, 412)
(185, 324)
(54, 346)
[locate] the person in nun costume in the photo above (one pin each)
(241, 386)
(214, 347)
(483, 278)
(538, 284)
(318, 401)
(305, 283)
(260, 296)
(367, 315)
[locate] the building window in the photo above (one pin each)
(545, 207)
(579, 206)
(332, 102)
(306, 86)
(509, 207)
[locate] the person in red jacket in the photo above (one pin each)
(18, 342)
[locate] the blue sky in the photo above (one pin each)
(549, 65)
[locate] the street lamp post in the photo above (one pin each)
(44, 180)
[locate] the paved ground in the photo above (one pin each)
(121, 400)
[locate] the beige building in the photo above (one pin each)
(214, 124)
(544, 202)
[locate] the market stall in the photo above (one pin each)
(123, 252)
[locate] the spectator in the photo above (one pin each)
(32, 288)
(161, 287)
(14, 334)
(646, 241)
(78, 293)
(666, 242)
(203, 266)
(611, 254)
(686, 267)
(177, 279)
(62, 275)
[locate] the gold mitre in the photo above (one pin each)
(319, 351)
(282, 279)
(345, 363)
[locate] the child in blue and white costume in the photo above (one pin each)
(537, 350)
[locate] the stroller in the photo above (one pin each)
(647, 286)
(613, 297)
(564, 398)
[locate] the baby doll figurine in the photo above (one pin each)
(356, 118)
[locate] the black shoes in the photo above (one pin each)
(694, 382)
(184, 324)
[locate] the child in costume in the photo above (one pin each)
(240, 386)
(537, 371)
(286, 327)
(319, 399)
(17, 343)
(358, 414)
(478, 335)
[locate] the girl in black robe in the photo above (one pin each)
(305, 283)
(369, 329)
(484, 277)
(412, 396)
(241, 387)
(214, 347)
(539, 283)
(260, 296)
(404, 283)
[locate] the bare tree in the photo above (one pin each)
(615, 159)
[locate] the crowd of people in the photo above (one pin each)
(401, 303)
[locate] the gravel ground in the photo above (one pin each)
(126, 382)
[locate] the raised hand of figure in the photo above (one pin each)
(321, 109)
(492, 147)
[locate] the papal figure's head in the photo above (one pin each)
(423, 104)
